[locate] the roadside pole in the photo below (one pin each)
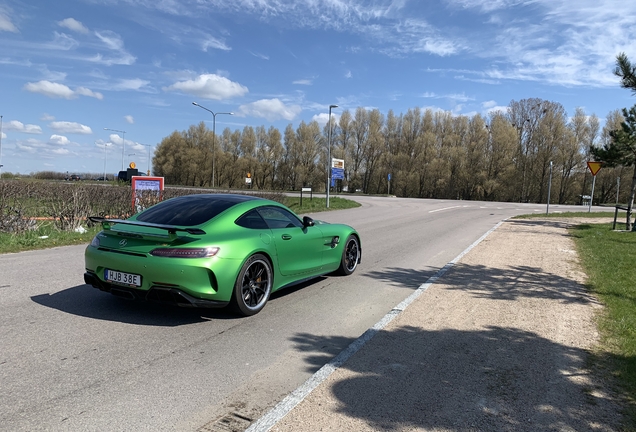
(594, 168)
(547, 208)
(592, 196)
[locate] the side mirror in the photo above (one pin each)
(307, 221)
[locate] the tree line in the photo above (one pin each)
(505, 156)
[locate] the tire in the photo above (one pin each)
(350, 256)
(253, 286)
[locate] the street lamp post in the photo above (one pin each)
(148, 172)
(329, 153)
(213, 132)
(123, 141)
(105, 157)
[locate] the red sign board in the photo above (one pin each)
(594, 167)
(142, 199)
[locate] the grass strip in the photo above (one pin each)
(609, 259)
(46, 235)
(316, 205)
(581, 214)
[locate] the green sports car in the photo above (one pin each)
(214, 250)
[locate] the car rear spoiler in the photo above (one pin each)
(107, 224)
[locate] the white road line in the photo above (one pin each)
(285, 406)
(445, 208)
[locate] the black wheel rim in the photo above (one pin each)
(351, 255)
(256, 284)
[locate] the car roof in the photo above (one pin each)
(235, 198)
(196, 209)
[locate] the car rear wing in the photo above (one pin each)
(172, 230)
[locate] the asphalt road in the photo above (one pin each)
(75, 359)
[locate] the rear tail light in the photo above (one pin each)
(185, 252)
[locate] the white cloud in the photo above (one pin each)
(552, 42)
(212, 42)
(3, 135)
(6, 24)
(16, 62)
(50, 75)
(99, 74)
(434, 109)
(489, 104)
(61, 91)
(63, 42)
(70, 127)
(457, 97)
(59, 140)
(47, 117)
(457, 110)
(131, 84)
(412, 35)
(129, 119)
(60, 151)
(546, 41)
(73, 25)
(260, 56)
(270, 109)
(87, 92)
(31, 147)
(322, 118)
(155, 102)
(51, 89)
(113, 42)
(348, 74)
(497, 108)
(111, 39)
(392, 28)
(18, 126)
(460, 97)
(303, 82)
(115, 139)
(209, 86)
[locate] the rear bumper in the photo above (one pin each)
(158, 294)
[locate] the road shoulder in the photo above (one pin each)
(500, 342)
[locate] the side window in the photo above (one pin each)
(251, 220)
(279, 218)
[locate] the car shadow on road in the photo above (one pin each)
(497, 378)
(285, 291)
(86, 301)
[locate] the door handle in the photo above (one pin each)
(286, 237)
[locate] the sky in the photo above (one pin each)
(88, 86)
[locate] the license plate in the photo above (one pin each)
(122, 278)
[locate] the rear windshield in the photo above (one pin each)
(186, 211)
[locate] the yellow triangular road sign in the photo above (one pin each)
(594, 167)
